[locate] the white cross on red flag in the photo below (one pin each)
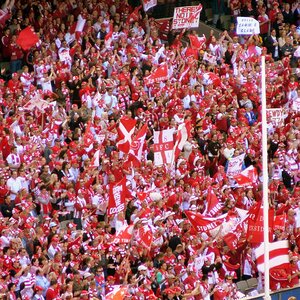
(163, 146)
(125, 131)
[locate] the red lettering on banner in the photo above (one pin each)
(163, 146)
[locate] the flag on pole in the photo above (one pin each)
(163, 146)
(248, 176)
(125, 131)
(158, 75)
(197, 42)
(124, 235)
(134, 16)
(202, 223)
(183, 133)
(147, 4)
(116, 200)
(88, 137)
(145, 236)
(108, 36)
(256, 227)
(213, 205)
(137, 145)
(278, 252)
(79, 26)
(95, 160)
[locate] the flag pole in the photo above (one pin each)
(265, 179)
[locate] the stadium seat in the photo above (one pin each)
(242, 286)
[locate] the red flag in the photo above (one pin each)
(202, 223)
(195, 14)
(184, 131)
(88, 137)
(134, 16)
(142, 195)
(160, 74)
(231, 239)
(279, 255)
(184, 73)
(95, 160)
(137, 145)
(124, 236)
(256, 228)
(279, 222)
(212, 78)
(116, 201)
(197, 42)
(145, 236)
(214, 205)
(118, 292)
(125, 130)
(247, 177)
(27, 38)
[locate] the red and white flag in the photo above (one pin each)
(160, 74)
(279, 222)
(95, 162)
(37, 102)
(278, 253)
(196, 13)
(213, 205)
(211, 59)
(211, 78)
(4, 16)
(183, 133)
(118, 292)
(145, 236)
(79, 26)
(248, 176)
(163, 146)
(88, 137)
(147, 4)
(27, 38)
(124, 235)
(256, 227)
(125, 131)
(134, 16)
(108, 36)
(137, 145)
(184, 73)
(202, 223)
(116, 200)
(197, 42)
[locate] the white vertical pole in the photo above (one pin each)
(265, 178)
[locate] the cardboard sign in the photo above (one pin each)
(247, 26)
(186, 17)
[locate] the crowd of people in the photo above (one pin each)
(57, 240)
